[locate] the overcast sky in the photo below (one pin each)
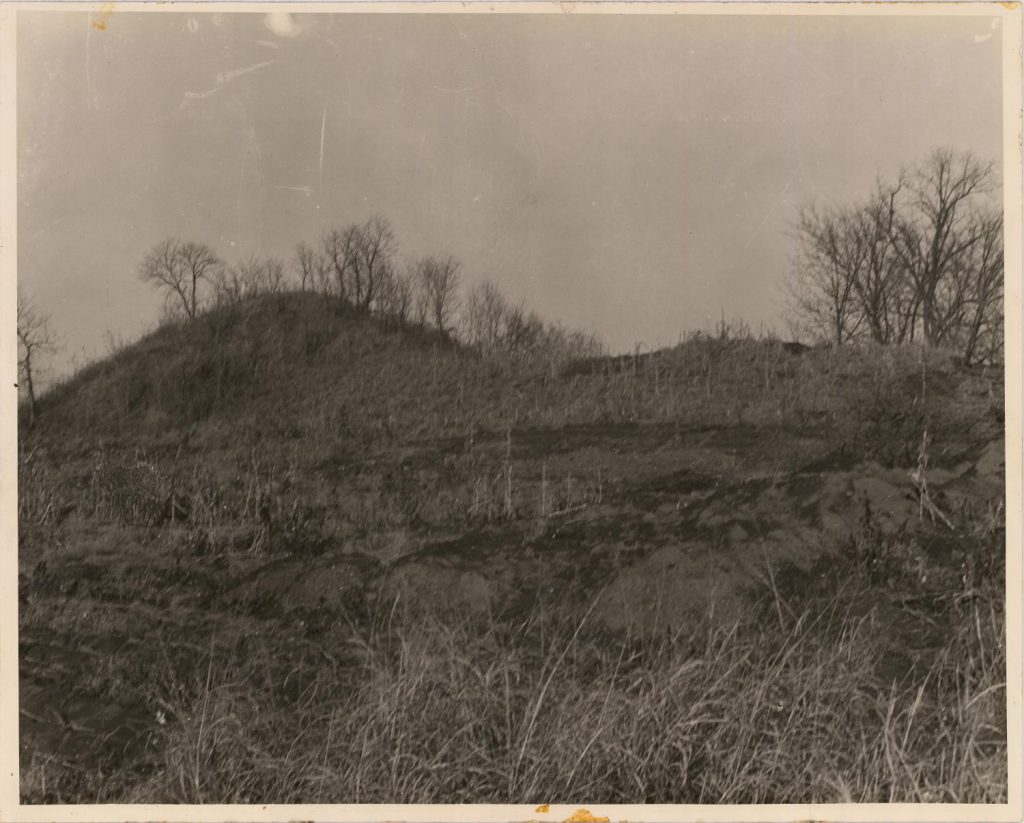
(630, 175)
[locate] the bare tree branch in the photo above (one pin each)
(180, 268)
(438, 280)
(35, 339)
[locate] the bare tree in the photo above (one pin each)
(247, 278)
(484, 315)
(179, 268)
(830, 263)
(229, 285)
(921, 259)
(937, 232)
(262, 276)
(470, 320)
(324, 279)
(982, 323)
(339, 247)
(438, 280)
(273, 276)
(396, 296)
(35, 339)
(359, 258)
(306, 263)
(375, 246)
(523, 330)
(883, 295)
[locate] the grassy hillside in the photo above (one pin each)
(288, 553)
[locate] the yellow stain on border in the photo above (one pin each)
(1012, 5)
(584, 816)
(104, 16)
(543, 808)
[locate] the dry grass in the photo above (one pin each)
(443, 710)
(267, 414)
(284, 426)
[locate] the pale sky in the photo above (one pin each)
(631, 175)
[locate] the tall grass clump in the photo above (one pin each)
(791, 708)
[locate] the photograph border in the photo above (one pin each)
(1013, 70)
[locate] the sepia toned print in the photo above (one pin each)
(515, 408)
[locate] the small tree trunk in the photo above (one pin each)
(30, 387)
(974, 330)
